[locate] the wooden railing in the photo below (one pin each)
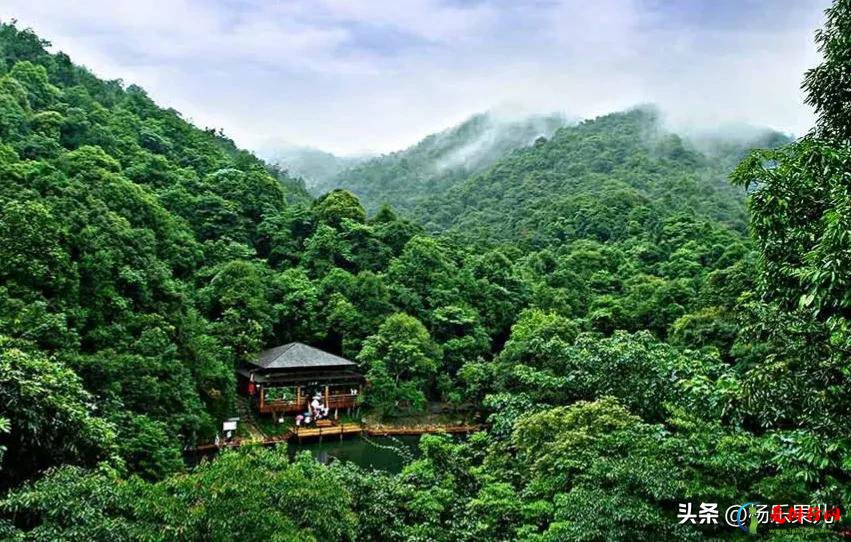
(338, 430)
(281, 406)
(346, 400)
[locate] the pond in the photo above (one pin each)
(384, 453)
(389, 454)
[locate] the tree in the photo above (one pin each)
(31, 253)
(651, 376)
(336, 206)
(50, 415)
(253, 496)
(800, 329)
(70, 503)
(40, 93)
(543, 361)
(824, 84)
(498, 293)
(266, 492)
(295, 303)
(237, 300)
(602, 473)
(538, 339)
(423, 276)
(280, 235)
(459, 331)
(399, 360)
(325, 250)
(147, 446)
(5, 427)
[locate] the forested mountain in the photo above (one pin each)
(114, 215)
(438, 162)
(600, 179)
(315, 166)
(631, 337)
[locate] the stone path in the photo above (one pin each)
(246, 419)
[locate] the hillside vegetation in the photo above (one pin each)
(440, 161)
(601, 179)
(632, 335)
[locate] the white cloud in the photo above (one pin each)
(349, 75)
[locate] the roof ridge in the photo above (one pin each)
(302, 355)
(284, 349)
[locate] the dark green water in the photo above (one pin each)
(385, 453)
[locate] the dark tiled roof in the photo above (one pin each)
(297, 356)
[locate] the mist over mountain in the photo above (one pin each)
(730, 143)
(627, 316)
(599, 179)
(440, 160)
(316, 167)
(429, 180)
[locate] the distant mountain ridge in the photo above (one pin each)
(533, 179)
(439, 161)
(598, 179)
(316, 167)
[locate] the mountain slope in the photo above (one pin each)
(315, 166)
(439, 161)
(111, 208)
(599, 179)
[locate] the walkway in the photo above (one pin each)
(341, 430)
(246, 419)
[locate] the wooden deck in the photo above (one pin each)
(381, 431)
(340, 431)
(340, 401)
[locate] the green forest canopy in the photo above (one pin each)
(141, 258)
(435, 164)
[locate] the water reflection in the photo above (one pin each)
(384, 453)
(389, 454)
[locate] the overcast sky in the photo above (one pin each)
(377, 75)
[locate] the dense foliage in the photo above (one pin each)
(114, 213)
(437, 163)
(603, 179)
(599, 301)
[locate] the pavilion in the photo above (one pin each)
(283, 379)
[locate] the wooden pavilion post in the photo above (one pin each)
(298, 398)
(327, 396)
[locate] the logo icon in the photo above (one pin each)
(747, 511)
